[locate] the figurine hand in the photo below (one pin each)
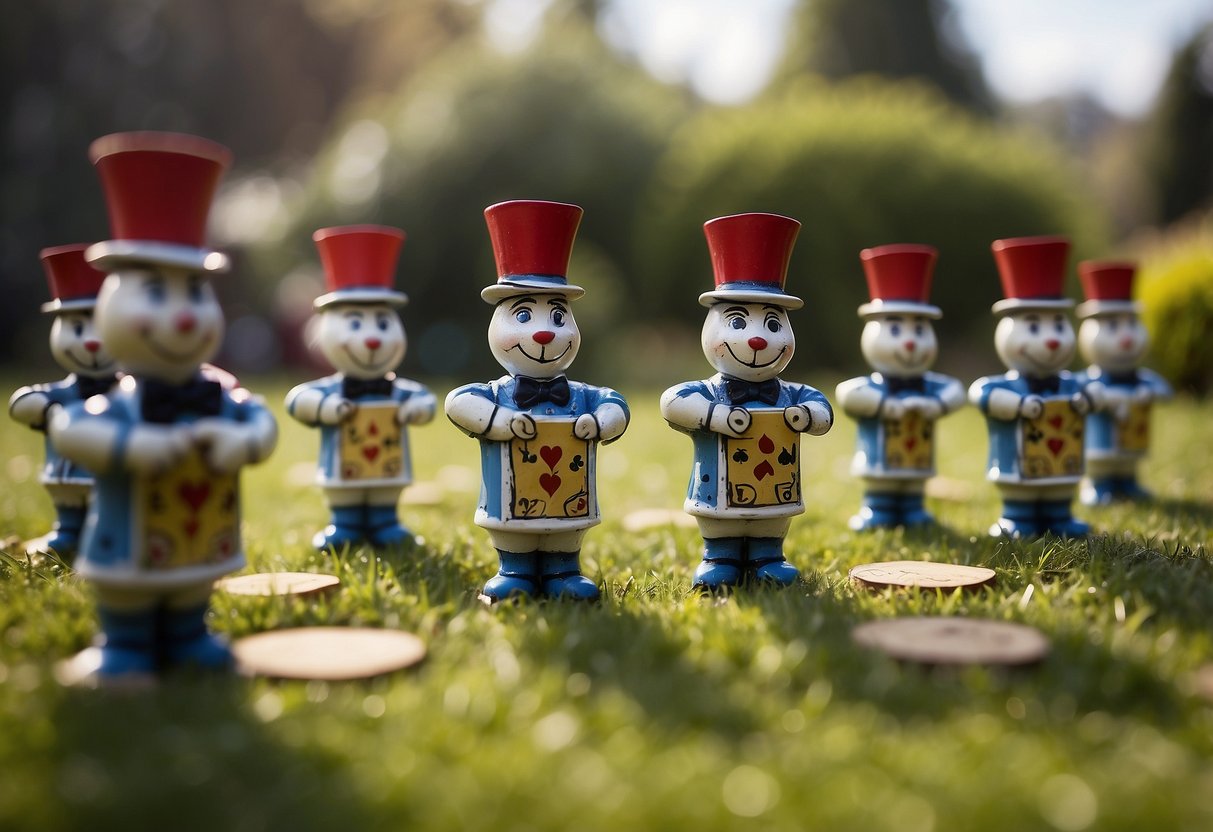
(226, 446)
(892, 409)
(31, 408)
(336, 409)
(929, 407)
(1032, 407)
(1081, 403)
(416, 410)
(735, 421)
(798, 417)
(1142, 395)
(523, 426)
(586, 427)
(153, 449)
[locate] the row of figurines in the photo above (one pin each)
(143, 466)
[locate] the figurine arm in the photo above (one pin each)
(473, 409)
(608, 420)
(102, 443)
(688, 409)
(312, 406)
(859, 398)
(811, 414)
(418, 405)
(31, 406)
(951, 396)
(1001, 403)
(1155, 385)
(230, 444)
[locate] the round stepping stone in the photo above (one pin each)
(279, 583)
(327, 653)
(924, 574)
(953, 640)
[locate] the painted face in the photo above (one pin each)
(158, 321)
(899, 345)
(362, 340)
(534, 335)
(751, 341)
(1035, 342)
(77, 347)
(1117, 342)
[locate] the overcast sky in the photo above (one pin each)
(1115, 50)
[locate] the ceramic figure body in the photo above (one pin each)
(167, 443)
(1035, 411)
(538, 431)
(898, 405)
(77, 349)
(1112, 340)
(745, 422)
(363, 411)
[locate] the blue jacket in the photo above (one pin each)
(705, 490)
(1007, 436)
(58, 470)
(493, 511)
(1104, 440)
(870, 443)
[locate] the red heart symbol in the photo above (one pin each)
(549, 482)
(373, 430)
(551, 455)
(763, 469)
(1056, 422)
(370, 452)
(581, 504)
(765, 444)
(910, 443)
(191, 528)
(1055, 445)
(194, 493)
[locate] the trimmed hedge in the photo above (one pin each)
(1176, 291)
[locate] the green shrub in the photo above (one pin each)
(860, 163)
(1176, 289)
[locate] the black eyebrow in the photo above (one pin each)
(1033, 318)
(353, 313)
(896, 319)
(527, 299)
(558, 303)
(740, 309)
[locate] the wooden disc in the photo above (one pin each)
(656, 518)
(953, 640)
(279, 583)
(924, 574)
(327, 653)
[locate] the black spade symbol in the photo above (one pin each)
(740, 455)
(786, 457)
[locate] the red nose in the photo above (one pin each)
(1052, 343)
(373, 343)
(757, 343)
(92, 345)
(1126, 343)
(185, 322)
(544, 336)
(910, 346)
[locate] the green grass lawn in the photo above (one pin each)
(656, 708)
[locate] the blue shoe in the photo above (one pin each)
(347, 529)
(188, 643)
(712, 575)
(1057, 519)
(1019, 519)
(128, 644)
(562, 578)
(914, 512)
(765, 561)
(878, 511)
(1098, 492)
(64, 536)
(777, 571)
(516, 578)
(385, 528)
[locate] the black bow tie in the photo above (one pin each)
(356, 388)
(911, 384)
(164, 403)
(88, 386)
(739, 390)
(1040, 386)
(529, 392)
(1128, 378)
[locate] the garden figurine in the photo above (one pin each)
(1112, 340)
(364, 409)
(76, 348)
(538, 430)
(746, 422)
(1035, 411)
(898, 405)
(167, 443)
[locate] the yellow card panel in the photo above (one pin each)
(763, 467)
(190, 516)
(371, 444)
(1135, 431)
(551, 473)
(909, 442)
(1052, 444)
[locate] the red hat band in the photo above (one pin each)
(532, 241)
(359, 263)
(750, 255)
(74, 284)
(1032, 271)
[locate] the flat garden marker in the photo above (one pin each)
(953, 640)
(279, 583)
(327, 653)
(923, 574)
(657, 518)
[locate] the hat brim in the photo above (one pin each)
(110, 254)
(1002, 307)
(899, 307)
(347, 296)
(57, 306)
(521, 286)
(751, 296)
(1096, 308)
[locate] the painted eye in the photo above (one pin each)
(920, 330)
(155, 292)
(1113, 325)
(737, 323)
(1034, 328)
(774, 324)
(195, 290)
(355, 324)
(1059, 327)
(382, 323)
(78, 328)
(557, 318)
(523, 316)
(895, 330)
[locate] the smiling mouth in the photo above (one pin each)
(95, 364)
(755, 365)
(541, 359)
(912, 359)
(374, 366)
(168, 355)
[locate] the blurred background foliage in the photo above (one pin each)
(876, 127)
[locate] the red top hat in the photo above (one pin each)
(158, 191)
(359, 264)
(1033, 272)
(750, 254)
(74, 283)
(1108, 285)
(532, 240)
(899, 279)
